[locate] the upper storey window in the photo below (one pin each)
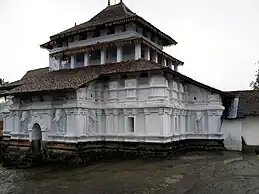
(110, 30)
(65, 62)
(96, 33)
(70, 39)
(79, 60)
(83, 36)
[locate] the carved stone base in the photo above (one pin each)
(84, 153)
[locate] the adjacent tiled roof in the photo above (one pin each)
(248, 104)
(44, 80)
(111, 15)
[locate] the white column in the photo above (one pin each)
(86, 59)
(73, 61)
(119, 54)
(176, 67)
(58, 63)
(137, 51)
(99, 121)
(103, 56)
(147, 53)
(163, 61)
(170, 64)
(155, 57)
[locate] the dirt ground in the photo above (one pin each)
(197, 173)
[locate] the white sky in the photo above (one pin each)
(217, 39)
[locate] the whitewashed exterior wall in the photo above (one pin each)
(232, 130)
(160, 110)
(250, 128)
(235, 129)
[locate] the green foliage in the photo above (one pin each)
(255, 84)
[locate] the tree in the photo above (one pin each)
(1, 81)
(255, 84)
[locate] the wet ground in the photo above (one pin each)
(190, 174)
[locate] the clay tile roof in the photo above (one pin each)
(44, 80)
(248, 104)
(114, 14)
(109, 14)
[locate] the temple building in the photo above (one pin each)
(109, 83)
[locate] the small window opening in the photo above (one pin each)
(111, 30)
(194, 98)
(131, 124)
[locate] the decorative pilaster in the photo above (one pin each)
(182, 121)
(146, 113)
(99, 120)
(176, 121)
(116, 120)
(108, 121)
(126, 114)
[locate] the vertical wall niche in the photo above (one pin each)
(131, 122)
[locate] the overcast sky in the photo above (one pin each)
(217, 39)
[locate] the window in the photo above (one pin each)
(143, 78)
(111, 30)
(83, 36)
(96, 34)
(65, 62)
(80, 60)
(131, 124)
(70, 39)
